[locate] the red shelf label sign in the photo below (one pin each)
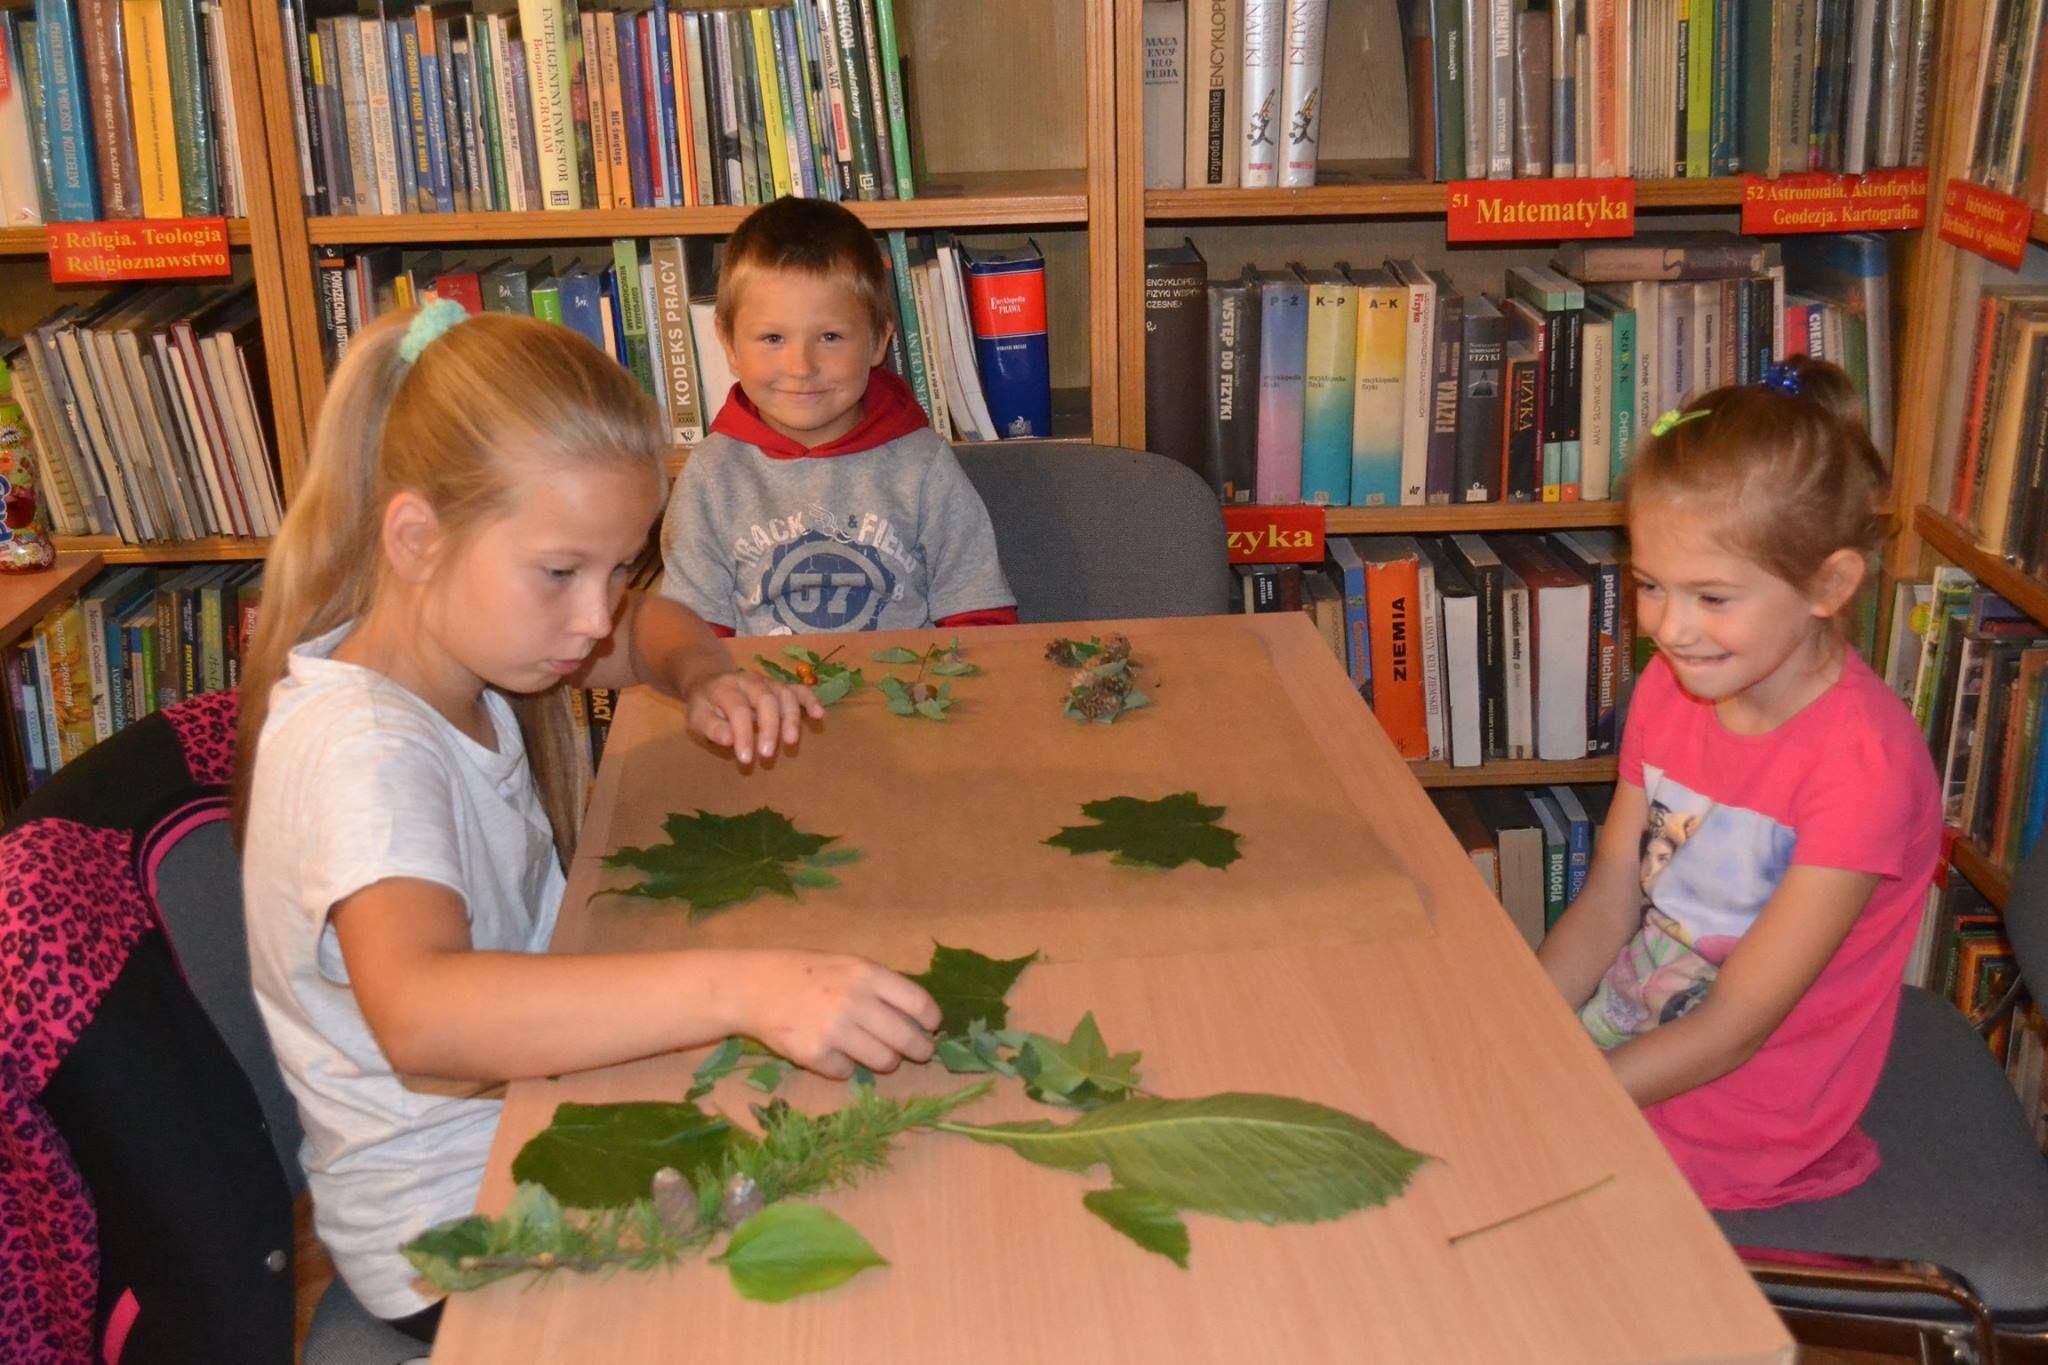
(1259, 534)
(1877, 201)
(138, 249)
(1539, 210)
(1991, 224)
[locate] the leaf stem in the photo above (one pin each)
(1547, 1204)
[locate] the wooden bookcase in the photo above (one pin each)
(1028, 117)
(1038, 160)
(1925, 534)
(26, 294)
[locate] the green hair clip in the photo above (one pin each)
(428, 326)
(1664, 425)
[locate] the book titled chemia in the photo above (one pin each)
(1006, 298)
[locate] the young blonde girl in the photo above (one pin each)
(409, 780)
(1739, 943)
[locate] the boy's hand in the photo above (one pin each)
(748, 713)
(828, 1012)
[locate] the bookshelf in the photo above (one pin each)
(1039, 162)
(25, 597)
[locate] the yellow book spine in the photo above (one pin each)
(771, 101)
(686, 128)
(70, 681)
(149, 98)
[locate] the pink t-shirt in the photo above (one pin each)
(1845, 783)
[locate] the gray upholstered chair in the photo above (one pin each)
(1091, 532)
(1949, 1240)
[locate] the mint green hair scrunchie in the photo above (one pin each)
(428, 326)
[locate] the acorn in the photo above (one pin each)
(921, 693)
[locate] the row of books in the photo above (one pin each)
(444, 109)
(1660, 88)
(1233, 92)
(136, 640)
(1974, 670)
(1532, 846)
(148, 411)
(2009, 154)
(1994, 484)
(1469, 648)
(117, 109)
(1392, 387)
(1963, 954)
(970, 333)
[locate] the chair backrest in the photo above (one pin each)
(2026, 919)
(134, 1145)
(1090, 532)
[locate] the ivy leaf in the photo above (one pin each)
(1079, 1073)
(717, 860)
(896, 655)
(1146, 1219)
(791, 1249)
(970, 987)
(715, 1067)
(769, 1074)
(1164, 833)
(605, 1155)
(1256, 1158)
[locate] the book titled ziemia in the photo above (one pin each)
(1006, 296)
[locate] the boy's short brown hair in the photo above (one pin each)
(815, 236)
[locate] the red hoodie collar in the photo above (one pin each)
(888, 410)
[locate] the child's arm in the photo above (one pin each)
(1772, 966)
(439, 1008)
(668, 646)
(1608, 909)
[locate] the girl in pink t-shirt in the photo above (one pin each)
(1740, 940)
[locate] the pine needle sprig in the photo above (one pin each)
(801, 1155)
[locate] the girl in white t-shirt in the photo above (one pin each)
(407, 793)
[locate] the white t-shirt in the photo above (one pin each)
(358, 780)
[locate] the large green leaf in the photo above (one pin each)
(604, 1155)
(717, 860)
(1262, 1158)
(1164, 833)
(791, 1249)
(969, 986)
(1146, 1219)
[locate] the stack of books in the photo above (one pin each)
(1532, 846)
(440, 108)
(117, 109)
(969, 337)
(1470, 648)
(1393, 387)
(149, 414)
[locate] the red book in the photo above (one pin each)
(1394, 617)
(1964, 494)
(464, 287)
(650, 95)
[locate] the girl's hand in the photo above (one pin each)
(827, 1012)
(746, 712)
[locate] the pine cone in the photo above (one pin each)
(742, 1200)
(1064, 652)
(1116, 647)
(1095, 704)
(675, 1203)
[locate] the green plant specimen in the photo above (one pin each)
(1164, 833)
(791, 1249)
(711, 861)
(1105, 680)
(970, 987)
(829, 681)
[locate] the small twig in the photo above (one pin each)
(1607, 1179)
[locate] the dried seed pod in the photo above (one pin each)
(1116, 647)
(742, 1200)
(1064, 652)
(675, 1203)
(1096, 704)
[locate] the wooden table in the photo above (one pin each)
(1352, 957)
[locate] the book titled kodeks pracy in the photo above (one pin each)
(1006, 299)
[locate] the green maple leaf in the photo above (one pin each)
(605, 1155)
(970, 987)
(716, 860)
(1080, 1073)
(1164, 833)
